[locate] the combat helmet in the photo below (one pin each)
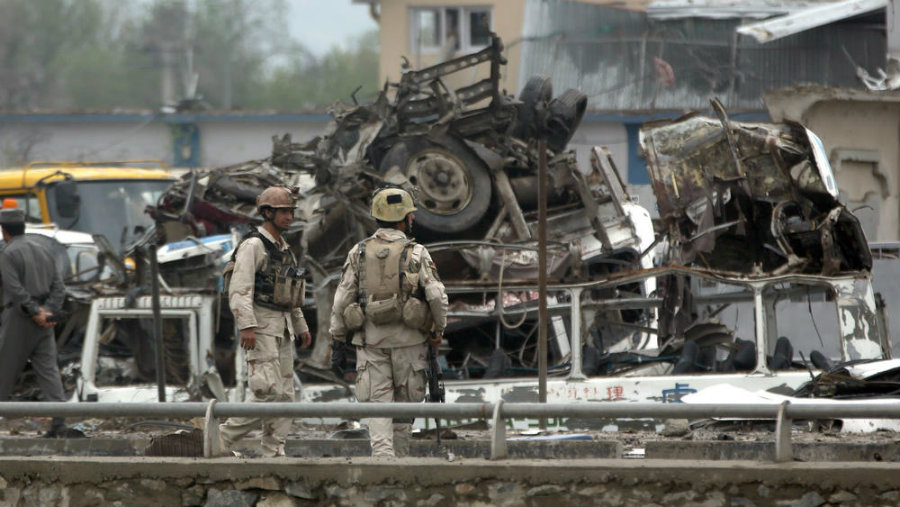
(275, 198)
(392, 204)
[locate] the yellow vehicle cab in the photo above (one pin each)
(107, 198)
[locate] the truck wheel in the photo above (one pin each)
(566, 112)
(453, 185)
(538, 90)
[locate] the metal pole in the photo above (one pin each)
(157, 323)
(826, 409)
(542, 276)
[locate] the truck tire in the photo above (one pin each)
(453, 185)
(566, 112)
(537, 91)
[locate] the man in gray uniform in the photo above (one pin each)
(32, 292)
(391, 299)
(265, 295)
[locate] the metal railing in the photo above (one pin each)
(783, 413)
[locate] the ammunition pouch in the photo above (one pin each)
(288, 288)
(281, 285)
(384, 311)
(417, 314)
(353, 317)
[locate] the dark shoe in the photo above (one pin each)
(64, 432)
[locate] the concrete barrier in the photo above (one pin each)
(321, 448)
(765, 451)
(75, 482)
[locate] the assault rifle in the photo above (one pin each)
(435, 385)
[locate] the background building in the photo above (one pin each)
(637, 61)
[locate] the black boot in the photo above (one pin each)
(58, 429)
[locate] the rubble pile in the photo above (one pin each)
(751, 229)
(470, 156)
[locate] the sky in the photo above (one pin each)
(321, 24)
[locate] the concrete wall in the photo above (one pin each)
(862, 140)
(22, 140)
(861, 134)
(601, 133)
(435, 481)
(220, 139)
(394, 39)
(226, 143)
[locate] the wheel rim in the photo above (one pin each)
(443, 181)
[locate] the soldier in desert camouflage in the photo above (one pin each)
(393, 303)
(265, 293)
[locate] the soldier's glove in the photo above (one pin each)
(338, 357)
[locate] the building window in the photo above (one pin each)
(449, 30)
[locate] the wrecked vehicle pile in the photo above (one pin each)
(759, 266)
(476, 189)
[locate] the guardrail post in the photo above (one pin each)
(498, 433)
(783, 449)
(211, 447)
(575, 373)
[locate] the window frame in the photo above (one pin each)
(30, 202)
(464, 13)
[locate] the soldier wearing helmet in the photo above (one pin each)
(392, 302)
(265, 292)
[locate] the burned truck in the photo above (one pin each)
(754, 201)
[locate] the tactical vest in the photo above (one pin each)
(389, 288)
(281, 284)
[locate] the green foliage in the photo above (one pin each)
(302, 84)
(105, 54)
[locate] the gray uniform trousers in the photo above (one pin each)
(20, 340)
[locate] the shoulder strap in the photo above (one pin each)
(252, 234)
(361, 273)
(269, 246)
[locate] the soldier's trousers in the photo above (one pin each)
(390, 375)
(270, 379)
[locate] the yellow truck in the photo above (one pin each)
(105, 198)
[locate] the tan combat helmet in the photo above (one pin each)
(392, 205)
(275, 197)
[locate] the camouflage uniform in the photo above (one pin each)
(390, 358)
(271, 362)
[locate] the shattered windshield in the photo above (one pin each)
(111, 208)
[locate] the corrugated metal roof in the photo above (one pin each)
(629, 5)
(727, 9)
(673, 9)
(806, 19)
(609, 54)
